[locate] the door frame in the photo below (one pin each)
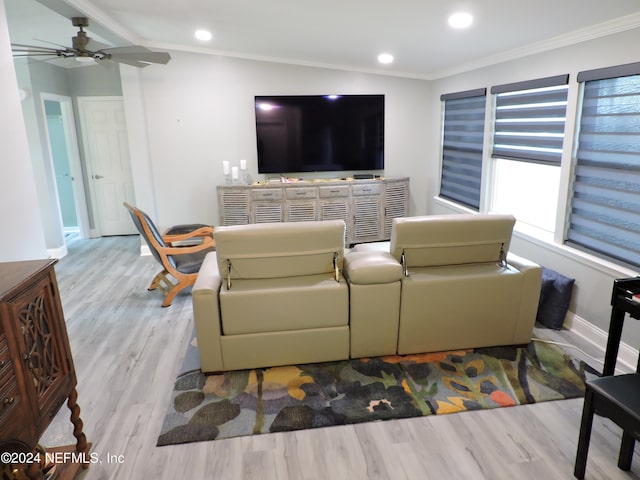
(75, 165)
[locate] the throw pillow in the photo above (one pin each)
(555, 296)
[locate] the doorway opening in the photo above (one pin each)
(60, 157)
(65, 158)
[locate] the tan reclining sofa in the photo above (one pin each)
(286, 293)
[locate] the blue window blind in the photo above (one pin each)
(605, 204)
(463, 138)
(529, 120)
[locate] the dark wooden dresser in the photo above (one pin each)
(37, 374)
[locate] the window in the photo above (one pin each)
(463, 136)
(605, 204)
(527, 148)
(529, 191)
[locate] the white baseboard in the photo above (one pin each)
(57, 252)
(627, 355)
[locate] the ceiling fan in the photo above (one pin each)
(84, 48)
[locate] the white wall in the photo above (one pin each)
(199, 111)
(46, 78)
(594, 280)
(36, 77)
(22, 233)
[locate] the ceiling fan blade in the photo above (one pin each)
(35, 54)
(137, 53)
(32, 53)
(127, 61)
(20, 47)
(151, 57)
(127, 49)
(50, 43)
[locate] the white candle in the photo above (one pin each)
(234, 173)
(225, 167)
(243, 164)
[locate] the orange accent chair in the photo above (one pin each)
(180, 262)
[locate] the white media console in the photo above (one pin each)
(366, 206)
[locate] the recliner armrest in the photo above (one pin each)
(371, 267)
(531, 284)
(206, 314)
(520, 263)
(209, 276)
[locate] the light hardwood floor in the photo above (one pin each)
(127, 351)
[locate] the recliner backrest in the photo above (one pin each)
(456, 239)
(276, 250)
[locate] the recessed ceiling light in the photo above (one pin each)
(385, 58)
(460, 20)
(203, 35)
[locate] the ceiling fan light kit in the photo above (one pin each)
(84, 49)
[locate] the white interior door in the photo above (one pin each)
(107, 155)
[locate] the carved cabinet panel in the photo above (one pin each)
(36, 369)
(44, 352)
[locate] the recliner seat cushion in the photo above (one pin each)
(279, 304)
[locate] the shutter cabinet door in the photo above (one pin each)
(234, 206)
(396, 204)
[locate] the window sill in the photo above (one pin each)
(601, 265)
(545, 240)
(455, 207)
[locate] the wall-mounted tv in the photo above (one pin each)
(320, 133)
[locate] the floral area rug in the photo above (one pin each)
(248, 402)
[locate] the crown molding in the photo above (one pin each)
(604, 29)
(285, 61)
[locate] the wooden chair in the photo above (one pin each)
(616, 398)
(180, 262)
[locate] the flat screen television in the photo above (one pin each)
(319, 133)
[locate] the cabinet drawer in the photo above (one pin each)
(267, 194)
(9, 399)
(337, 191)
(301, 192)
(367, 189)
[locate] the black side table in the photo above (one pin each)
(621, 304)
